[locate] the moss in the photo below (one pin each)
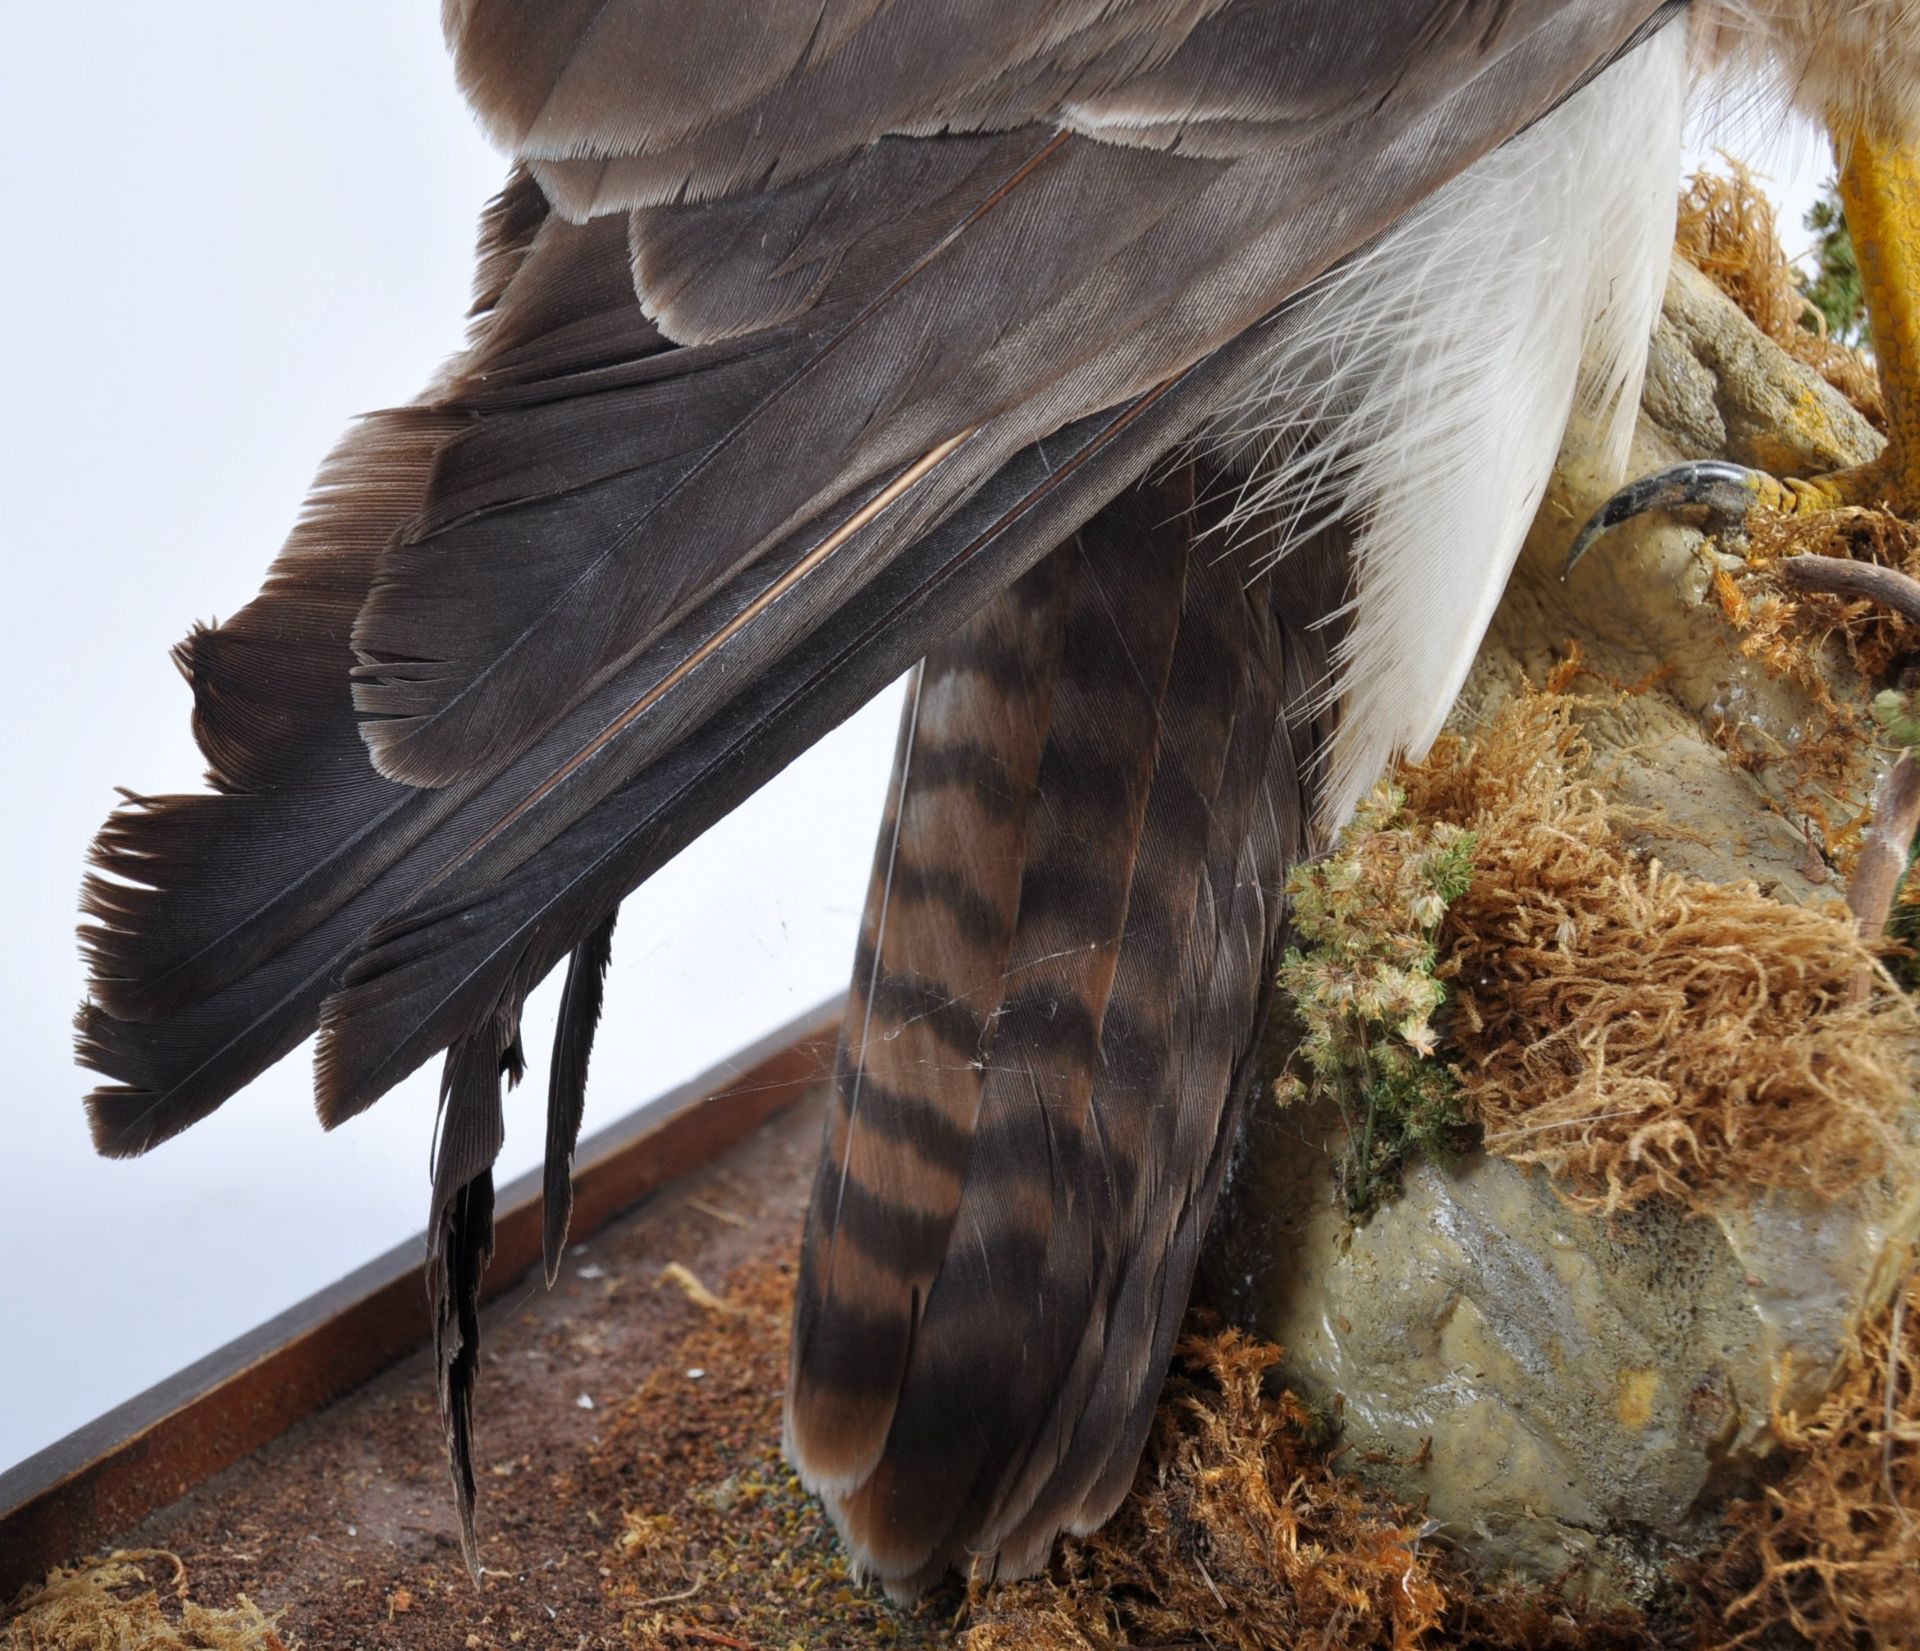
(1362, 986)
(1242, 1533)
(111, 1605)
(1238, 1533)
(1726, 231)
(1829, 1557)
(1636, 1032)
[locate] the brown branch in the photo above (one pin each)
(1883, 851)
(1859, 581)
(1896, 806)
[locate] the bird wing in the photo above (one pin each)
(736, 438)
(1071, 937)
(588, 554)
(890, 305)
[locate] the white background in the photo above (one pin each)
(229, 226)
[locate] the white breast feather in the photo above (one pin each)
(1425, 396)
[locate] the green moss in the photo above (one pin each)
(1362, 988)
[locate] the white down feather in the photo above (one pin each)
(1424, 393)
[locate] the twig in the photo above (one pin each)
(699, 1582)
(1884, 846)
(684, 1278)
(733, 1217)
(1888, 1409)
(1861, 581)
(1209, 1582)
(1896, 805)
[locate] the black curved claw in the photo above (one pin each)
(1728, 490)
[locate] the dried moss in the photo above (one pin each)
(1873, 637)
(1237, 1532)
(1241, 1532)
(111, 1605)
(1830, 1556)
(1640, 1033)
(1726, 230)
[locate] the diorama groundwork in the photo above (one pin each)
(664, 1516)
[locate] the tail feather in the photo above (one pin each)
(1060, 988)
(933, 954)
(460, 1240)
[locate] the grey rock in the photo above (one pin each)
(1565, 1393)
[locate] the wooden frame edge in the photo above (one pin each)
(69, 1499)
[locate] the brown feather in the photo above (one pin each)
(994, 286)
(1067, 954)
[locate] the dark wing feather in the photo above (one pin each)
(505, 913)
(1067, 954)
(622, 103)
(690, 99)
(580, 1001)
(460, 1240)
(993, 287)
(220, 921)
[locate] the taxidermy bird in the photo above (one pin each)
(1174, 380)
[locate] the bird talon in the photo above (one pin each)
(1728, 492)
